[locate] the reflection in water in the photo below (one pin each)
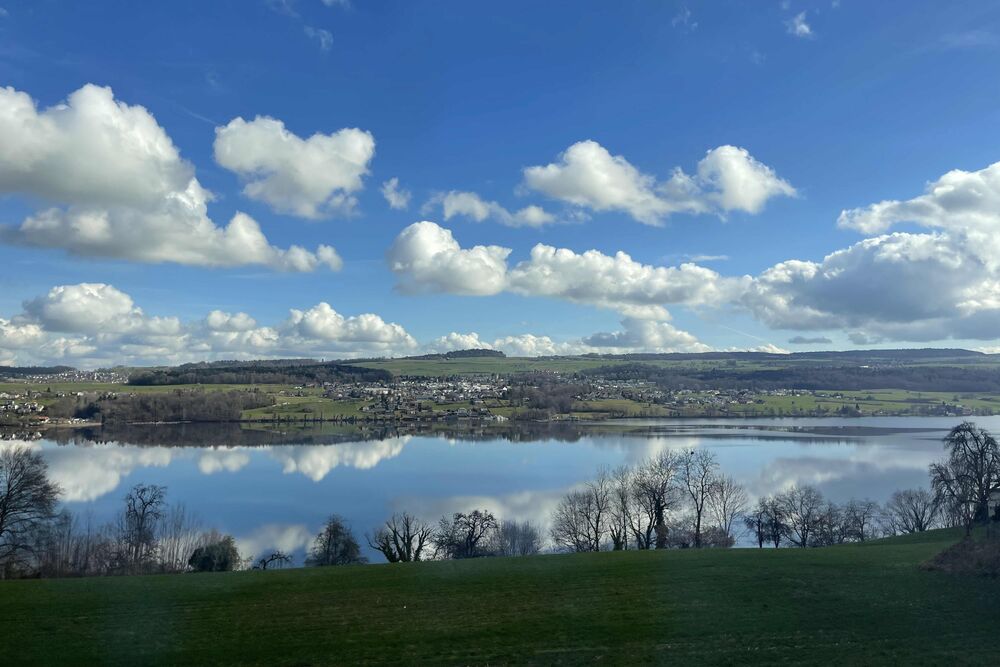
(273, 489)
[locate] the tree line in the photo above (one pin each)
(809, 378)
(287, 372)
(179, 405)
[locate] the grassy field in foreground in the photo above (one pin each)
(851, 604)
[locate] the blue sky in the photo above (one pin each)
(833, 106)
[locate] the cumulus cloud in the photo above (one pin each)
(471, 205)
(143, 203)
(967, 201)
(587, 175)
(530, 345)
(93, 308)
(94, 324)
(458, 341)
(322, 322)
(648, 336)
(397, 197)
(735, 181)
(15, 335)
(877, 288)
(428, 258)
(220, 321)
(636, 335)
(617, 282)
(310, 178)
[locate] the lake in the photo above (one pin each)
(273, 490)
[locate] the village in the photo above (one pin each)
(485, 397)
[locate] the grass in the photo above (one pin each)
(848, 605)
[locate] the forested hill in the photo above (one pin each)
(813, 378)
(460, 354)
(905, 355)
(259, 372)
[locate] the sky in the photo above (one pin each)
(191, 181)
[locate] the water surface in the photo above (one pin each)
(273, 489)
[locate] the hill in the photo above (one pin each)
(848, 605)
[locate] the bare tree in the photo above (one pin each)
(656, 493)
(623, 508)
(402, 538)
(276, 559)
(831, 526)
(179, 535)
(911, 511)
(516, 538)
(861, 519)
(756, 522)
(696, 476)
(27, 499)
(970, 475)
(137, 526)
(728, 502)
(580, 521)
(335, 545)
(775, 521)
(802, 511)
(465, 535)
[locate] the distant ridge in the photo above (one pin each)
(459, 354)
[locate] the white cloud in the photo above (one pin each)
(94, 308)
(220, 321)
(798, 26)
(143, 203)
(637, 335)
(14, 336)
(471, 205)
(94, 324)
(316, 461)
(310, 178)
(617, 282)
(215, 460)
(458, 341)
(287, 538)
(647, 336)
(530, 345)
(323, 37)
(428, 258)
(87, 473)
(738, 182)
(587, 175)
(322, 322)
(877, 288)
(966, 201)
(397, 197)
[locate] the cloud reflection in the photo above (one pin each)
(316, 461)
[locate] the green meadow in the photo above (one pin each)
(852, 604)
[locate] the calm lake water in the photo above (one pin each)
(274, 490)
